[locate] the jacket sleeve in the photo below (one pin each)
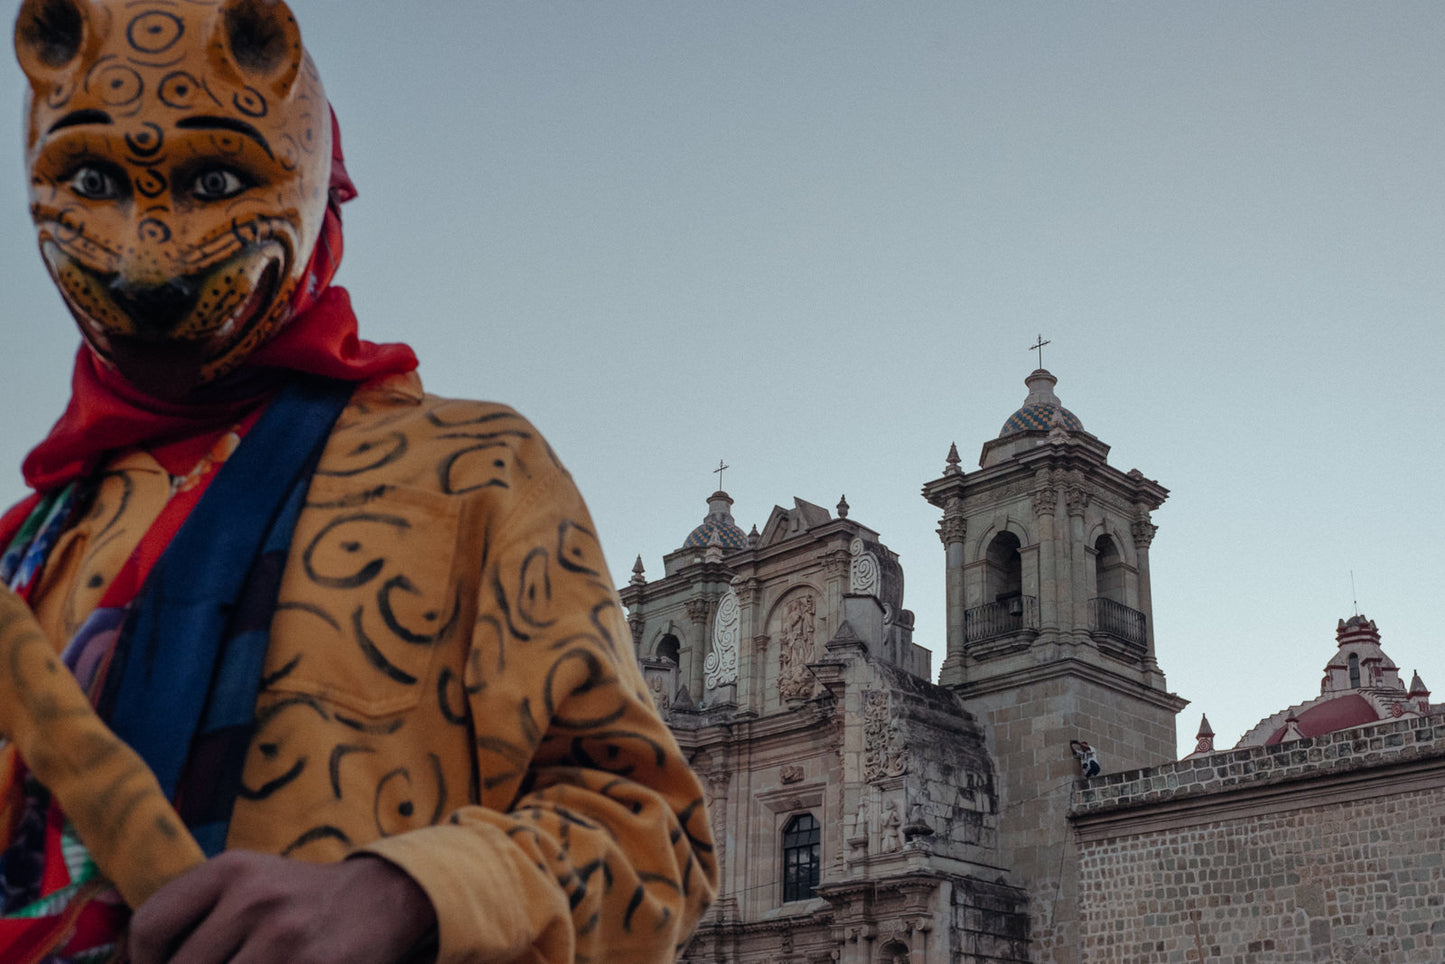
(589, 841)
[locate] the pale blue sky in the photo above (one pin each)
(816, 238)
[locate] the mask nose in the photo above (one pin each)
(155, 309)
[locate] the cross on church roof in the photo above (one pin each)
(1039, 346)
(719, 471)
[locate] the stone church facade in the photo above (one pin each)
(854, 802)
(864, 813)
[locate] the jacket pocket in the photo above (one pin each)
(367, 599)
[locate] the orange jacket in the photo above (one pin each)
(450, 685)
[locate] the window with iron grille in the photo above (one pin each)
(802, 843)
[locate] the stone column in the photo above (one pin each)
(1077, 580)
(1045, 504)
(952, 529)
(697, 609)
(716, 791)
(748, 591)
(1143, 535)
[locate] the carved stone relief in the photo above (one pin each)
(795, 648)
(890, 828)
(660, 697)
(1045, 502)
(715, 795)
(697, 609)
(721, 665)
(883, 754)
(747, 590)
(952, 528)
(861, 826)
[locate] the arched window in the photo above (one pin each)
(894, 952)
(802, 846)
(667, 648)
(1354, 671)
(1005, 568)
(1108, 570)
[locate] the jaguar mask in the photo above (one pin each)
(179, 153)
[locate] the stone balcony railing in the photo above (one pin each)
(1119, 623)
(1003, 618)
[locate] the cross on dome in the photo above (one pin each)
(1039, 346)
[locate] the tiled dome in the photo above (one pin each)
(1037, 414)
(719, 522)
(1039, 418)
(728, 535)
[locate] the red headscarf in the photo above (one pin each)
(106, 413)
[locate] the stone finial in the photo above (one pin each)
(952, 468)
(714, 550)
(1291, 729)
(638, 579)
(917, 825)
(843, 507)
(1205, 737)
(1058, 427)
(1419, 693)
(753, 537)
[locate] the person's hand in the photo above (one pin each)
(250, 908)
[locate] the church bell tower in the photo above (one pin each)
(1050, 634)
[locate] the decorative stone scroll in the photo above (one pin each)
(863, 576)
(721, 665)
(883, 754)
(1144, 532)
(795, 649)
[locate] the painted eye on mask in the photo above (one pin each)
(96, 183)
(218, 184)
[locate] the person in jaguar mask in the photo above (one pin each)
(297, 662)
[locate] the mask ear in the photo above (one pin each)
(261, 40)
(49, 36)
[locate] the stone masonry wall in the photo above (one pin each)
(1318, 850)
(1029, 729)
